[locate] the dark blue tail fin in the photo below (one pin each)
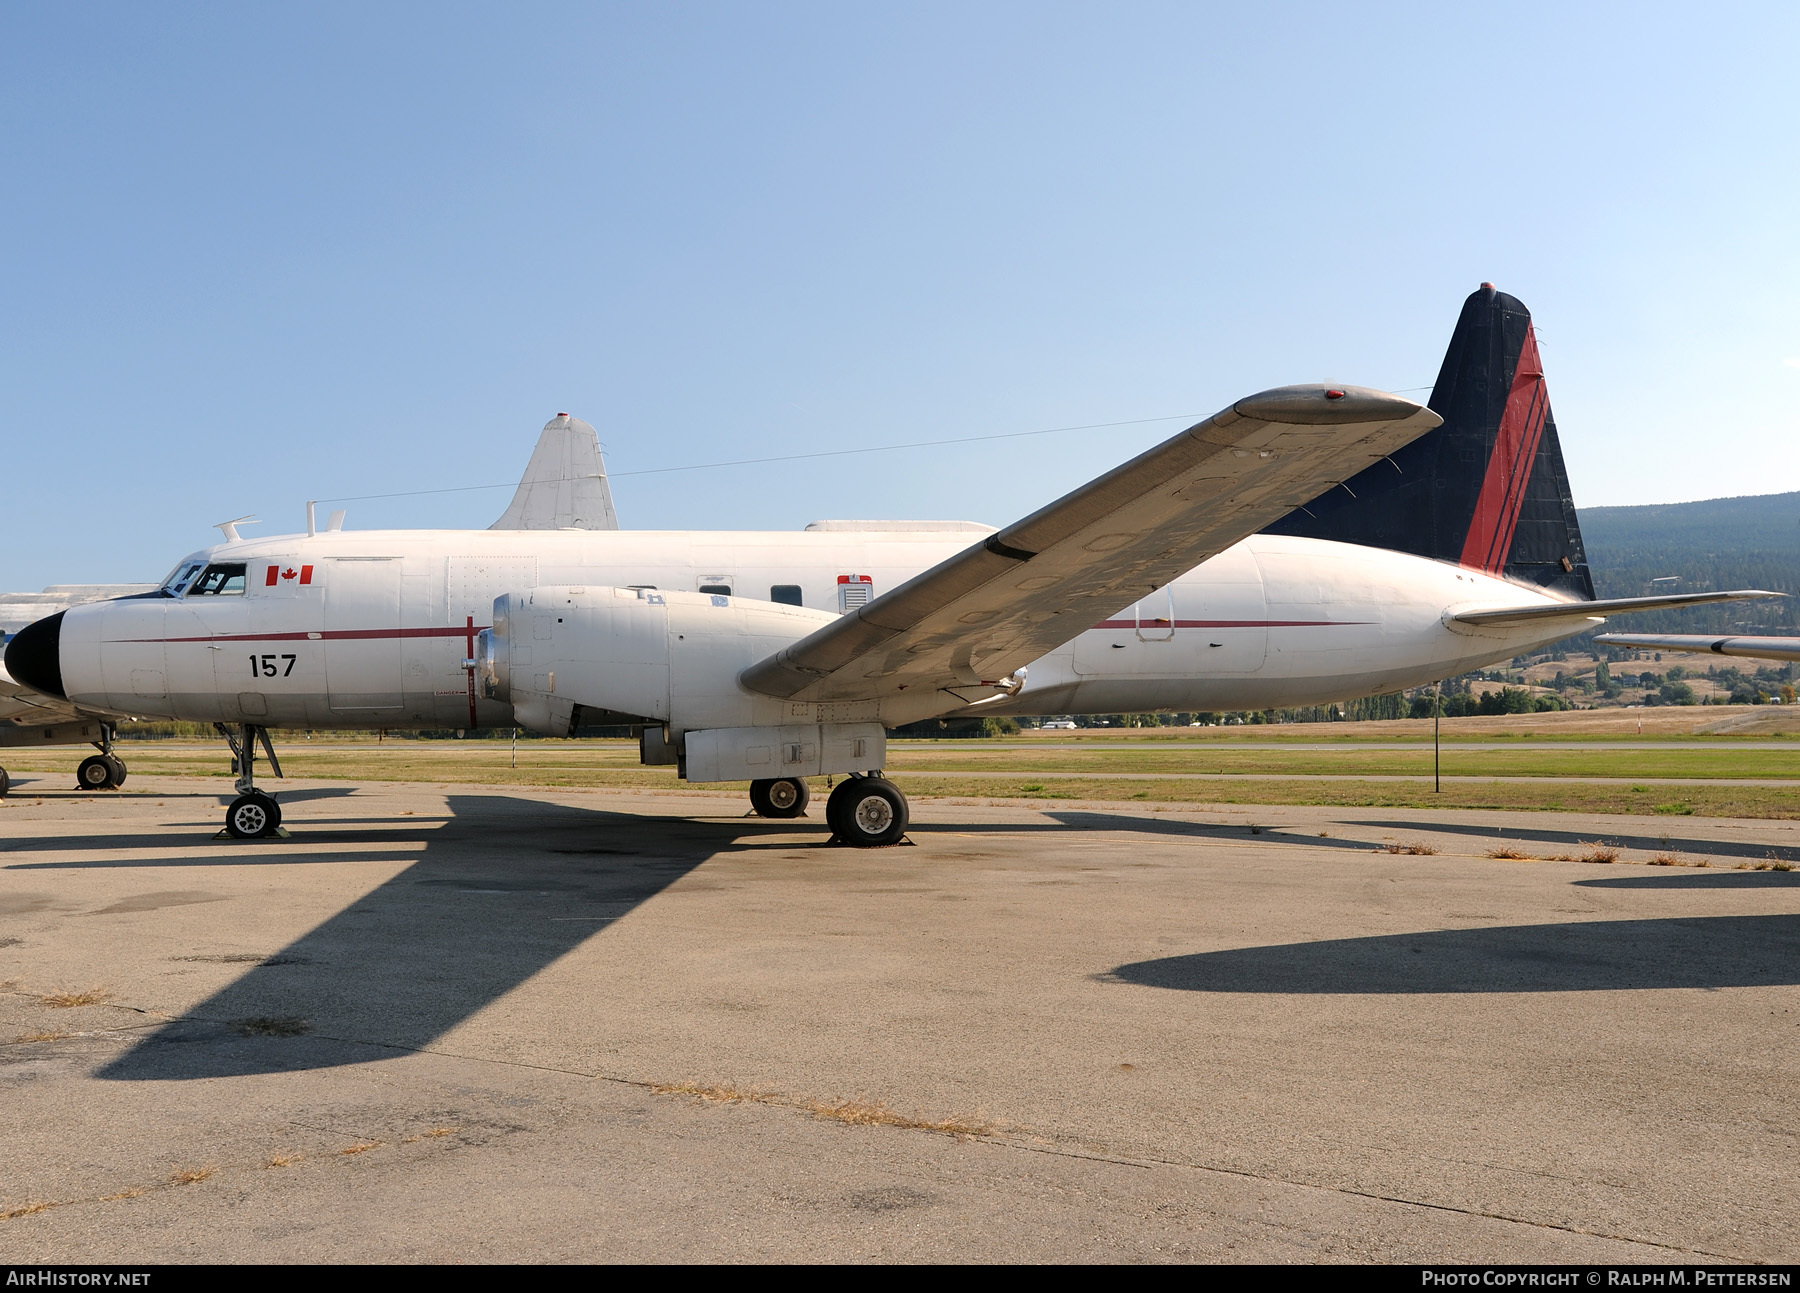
(1487, 489)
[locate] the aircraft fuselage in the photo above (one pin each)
(372, 628)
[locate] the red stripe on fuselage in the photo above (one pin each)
(329, 635)
(1230, 624)
(1509, 466)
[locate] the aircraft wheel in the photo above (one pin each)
(868, 812)
(95, 773)
(252, 816)
(118, 769)
(783, 797)
(5, 783)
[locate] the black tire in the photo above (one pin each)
(252, 816)
(782, 797)
(95, 773)
(867, 812)
(119, 769)
(5, 784)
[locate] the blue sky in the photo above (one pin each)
(257, 255)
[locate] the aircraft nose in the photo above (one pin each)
(34, 656)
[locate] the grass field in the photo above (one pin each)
(1712, 762)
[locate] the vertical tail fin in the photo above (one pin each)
(564, 486)
(1487, 489)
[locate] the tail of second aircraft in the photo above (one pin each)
(1487, 489)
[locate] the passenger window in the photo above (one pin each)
(720, 590)
(786, 594)
(219, 581)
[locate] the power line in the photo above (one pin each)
(790, 457)
(797, 457)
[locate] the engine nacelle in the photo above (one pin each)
(671, 660)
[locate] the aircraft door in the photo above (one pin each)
(362, 635)
(1224, 616)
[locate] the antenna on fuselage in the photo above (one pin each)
(230, 528)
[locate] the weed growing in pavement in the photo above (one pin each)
(86, 997)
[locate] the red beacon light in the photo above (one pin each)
(1334, 395)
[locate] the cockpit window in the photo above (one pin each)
(219, 581)
(180, 577)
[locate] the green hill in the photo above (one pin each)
(1750, 542)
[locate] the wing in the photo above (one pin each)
(1753, 648)
(1611, 606)
(1006, 600)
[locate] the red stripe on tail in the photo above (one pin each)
(1509, 466)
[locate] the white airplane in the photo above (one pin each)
(1304, 545)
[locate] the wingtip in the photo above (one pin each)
(1319, 404)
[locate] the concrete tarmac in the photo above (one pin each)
(455, 1024)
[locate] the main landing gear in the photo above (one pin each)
(102, 771)
(782, 797)
(254, 814)
(867, 811)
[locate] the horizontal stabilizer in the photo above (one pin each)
(1751, 648)
(1606, 606)
(565, 483)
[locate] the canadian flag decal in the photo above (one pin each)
(279, 575)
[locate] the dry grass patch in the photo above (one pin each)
(361, 1148)
(192, 1175)
(66, 998)
(1665, 859)
(1509, 855)
(124, 1194)
(1598, 853)
(282, 1160)
(25, 1210)
(1414, 849)
(429, 1135)
(54, 1035)
(861, 1113)
(718, 1093)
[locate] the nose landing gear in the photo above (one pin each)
(254, 814)
(105, 770)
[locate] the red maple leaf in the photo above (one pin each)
(289, 573)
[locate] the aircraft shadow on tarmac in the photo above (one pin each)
(502, 890)
(1660, 843)
(1585, 956)
(1092, 821)
(1707, 879)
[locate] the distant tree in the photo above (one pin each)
(1676, 693)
